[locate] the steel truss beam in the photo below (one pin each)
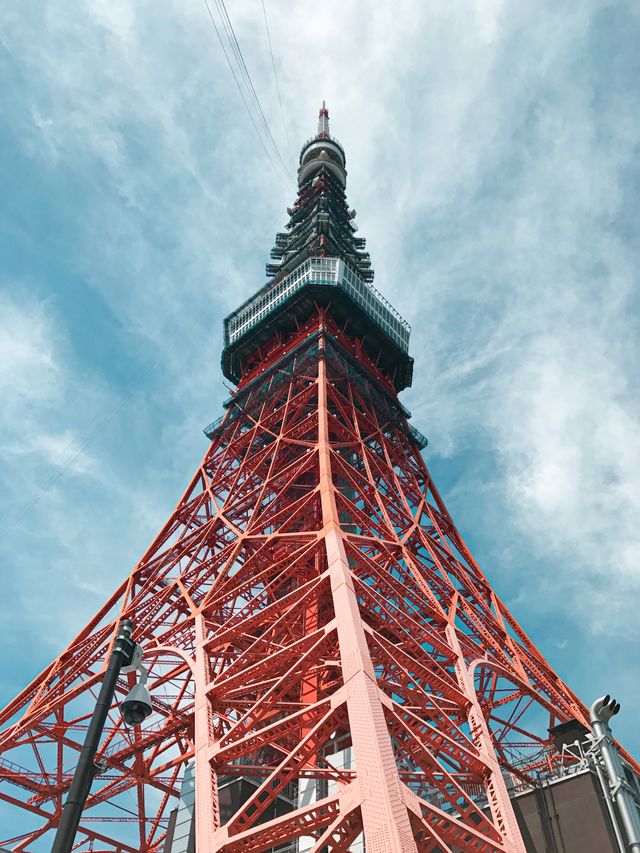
(310, 592)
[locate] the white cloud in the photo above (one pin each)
(490, 151)
(58, 473)
(570, 435)
(28, 366)
(34, 384)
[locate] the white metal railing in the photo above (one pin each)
(328, 271)
(321, 139)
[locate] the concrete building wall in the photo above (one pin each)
(567, 816)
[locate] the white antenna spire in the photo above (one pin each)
(323, 122)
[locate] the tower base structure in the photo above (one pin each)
(324, 653)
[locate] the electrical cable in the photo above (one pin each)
(247, 76)
(245, 72)
(237, 82)
(250, 100)
(275, 76)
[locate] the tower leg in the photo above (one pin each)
(385, 818)
(207, 807)
(499, 802)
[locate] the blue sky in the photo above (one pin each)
(492, 155)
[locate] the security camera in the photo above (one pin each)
(137, 706)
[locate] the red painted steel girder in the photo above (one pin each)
(309, 593)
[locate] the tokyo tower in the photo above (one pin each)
(330, 669)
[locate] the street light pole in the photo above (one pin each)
(121, 655)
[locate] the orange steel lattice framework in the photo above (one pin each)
(310, 593)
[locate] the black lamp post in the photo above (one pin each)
(122, 655)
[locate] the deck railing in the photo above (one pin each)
(328, 271)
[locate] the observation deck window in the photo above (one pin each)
(327, 271)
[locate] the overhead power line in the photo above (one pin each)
(245, 86)
(275, 77)
(245, 72)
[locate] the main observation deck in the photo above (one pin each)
(282, 306)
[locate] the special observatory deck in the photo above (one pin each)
(281, 305)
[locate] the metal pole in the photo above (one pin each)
(85, 769)
(601, 712)
(606, 793)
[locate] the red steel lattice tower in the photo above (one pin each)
(328, 662)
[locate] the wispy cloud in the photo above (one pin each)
(492, 159)
(34, 387)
